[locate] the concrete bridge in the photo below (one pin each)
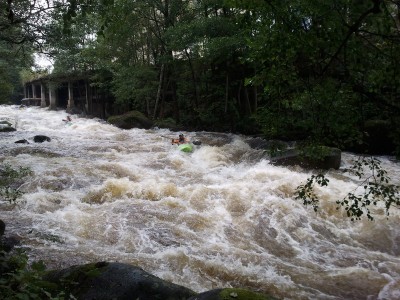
(72, 93)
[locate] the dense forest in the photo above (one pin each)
(323, 72)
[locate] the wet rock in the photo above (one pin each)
(104, 281)
(196, 142)
(129, 120)
(24, 141)
(9, 242)
(41, 139)
(269, 145)
(6, 128)
(5, 124)
(231, 294)
(330, 158)
(2, 227)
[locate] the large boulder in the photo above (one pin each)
(129, 120)
(327, 158)
(231, 294)
(105, 281)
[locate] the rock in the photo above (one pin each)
(9, 242)
(5, 124)
(231, 294)
(2, 227)
(6, 128)
(269, 145)
(196, 142)
(104, 281)
(24, 141)
(129, 120)
(41, 139)
(329, 158)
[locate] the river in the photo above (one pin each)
(222, 216)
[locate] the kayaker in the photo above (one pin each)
(68, 119)
(180, 140)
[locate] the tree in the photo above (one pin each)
(325, 68)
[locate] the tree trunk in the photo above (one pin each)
(196, 93)
(160, 85)
(226, 92)
(247, 101)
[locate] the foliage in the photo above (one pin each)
(374, 187)
(21, 280)
(135, 86)
(325, 67)
(11, 63)
(9, 181)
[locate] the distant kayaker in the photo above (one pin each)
(180, 140)
(67, 120)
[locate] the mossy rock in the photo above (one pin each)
(104, 281)
(129, 120)
(231, 294)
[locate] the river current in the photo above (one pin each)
(222, 216)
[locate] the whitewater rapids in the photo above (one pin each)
(222, 216)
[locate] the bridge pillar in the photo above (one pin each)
(42, 95)
(33, 91)
(28, 90)
(53, 96)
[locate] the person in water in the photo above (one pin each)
(180, 140)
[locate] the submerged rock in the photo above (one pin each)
(104, 281)
(231, 294)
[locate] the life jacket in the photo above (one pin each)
(178, 141)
